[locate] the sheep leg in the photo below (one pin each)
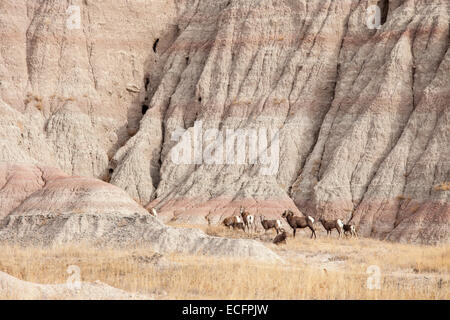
(311, 227)
(313, 232)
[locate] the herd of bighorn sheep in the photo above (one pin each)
(246, 222)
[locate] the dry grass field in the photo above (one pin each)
(325, 268)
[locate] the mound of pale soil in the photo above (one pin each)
(53, 208)
(13, 288)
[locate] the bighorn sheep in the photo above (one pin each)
(299, 222)
(270, 224)
(281, 238)
(350, 228)
(249, 220)
(329, 225)
(234, 222)
(153, 212)
(239, 225)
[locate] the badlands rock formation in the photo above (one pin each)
(44, 206)
(362, 114)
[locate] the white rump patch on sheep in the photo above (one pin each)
(340, 223)
(279, 224)
(311, 219)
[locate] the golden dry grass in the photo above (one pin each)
(314, 269)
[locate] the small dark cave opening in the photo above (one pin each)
(384, 7)
(144, 109)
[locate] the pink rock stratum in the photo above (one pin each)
(362, 114)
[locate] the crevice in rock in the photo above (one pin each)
(144, 109)
(147, 83)
(384, 7)
(156, 173)
(155, 45)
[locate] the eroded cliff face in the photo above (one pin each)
(361, 115)
(72, 72)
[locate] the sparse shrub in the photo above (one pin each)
(444, 186)
(279, 101)
(414, 208)
(122, 223)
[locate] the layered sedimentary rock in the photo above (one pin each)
(341, 118)
(362, 114)
(76, 69)
(44, 206)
